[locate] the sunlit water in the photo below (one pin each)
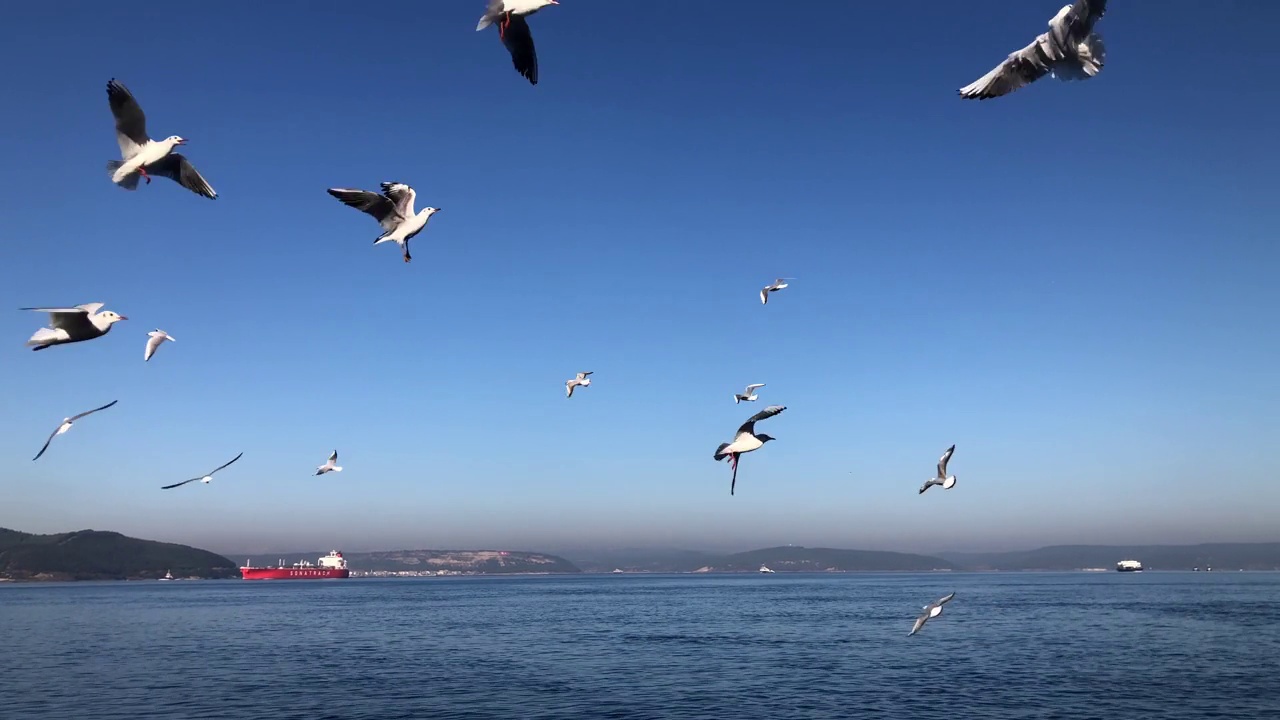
(1014, 645)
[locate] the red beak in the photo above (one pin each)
(122, 317)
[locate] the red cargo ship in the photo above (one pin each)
(329, 566)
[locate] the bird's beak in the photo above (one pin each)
(173, 339)
(124, 317)
(183, 141)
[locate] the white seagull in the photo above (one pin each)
(393, 210)
(206, 479)
(775, 286)
(154, 339)
(513, 29)
(947, 482)
(749, 394)
(581, 379)
(331, 465)
(745, 441)
(66, 425)
(932, 610)
(1071, 50)
(144, 157)
(73, 324)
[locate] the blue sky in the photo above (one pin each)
(1074, 283)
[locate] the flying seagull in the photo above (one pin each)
(942, 479)
(66, 425)
(581, 379)
(749, 394)
(1071, 50)
(330, 466)
(144, 157)
(513, 29)
(206, 479)
(73, 324)
(745, 441)
(932, 610)
(393, 210)
(154, 339)
(775, 286)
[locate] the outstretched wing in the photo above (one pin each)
(333, 457)
(583, 375)
(379, 206)
(947, 599)
(519, 42)
(1084, 14)
(749, 425)
(176, 167)
(131, 123)
(52, 435)
(73, 418)
(1018, 70)
(753, 387)
(224, 465)
(942, 463)
(184, 482)
(402, 195)
(920, 621)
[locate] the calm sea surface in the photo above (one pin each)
(1117, 646)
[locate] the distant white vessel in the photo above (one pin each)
(764, 569)
(1129, 566)
(167, 575)
(617, 571)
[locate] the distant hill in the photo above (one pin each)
(789, 558)
(802, 559)
(1220, 556)
(98, 555)
(491, 562)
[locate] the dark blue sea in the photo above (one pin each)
(1112, 646)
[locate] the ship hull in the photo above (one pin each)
(306, 573)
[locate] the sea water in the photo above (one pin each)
(1114, 646)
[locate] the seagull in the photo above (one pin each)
(774, 287)
(748, 394)
(1071, 50)
(156, 337)
(144, 157)
(73, 324)
(946, 482)
(393, 210)
(745, 441)
(932, 610)
(330, 466)
(581, 379)
(66, 425)
(513, 29)
(206, 479)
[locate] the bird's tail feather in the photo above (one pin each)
(720, 454)
(737, 399)
(45, 336)
(128, 182)
(1091, 55)
(337, 468)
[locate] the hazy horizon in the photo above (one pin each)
(1074, 284)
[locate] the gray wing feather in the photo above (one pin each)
(519, 42)
(749, 425)
(176, 167)
(184, 482)
(379, 206)
(73, 418)
(224, 465)
(52, 435)
(942, 463)
(400, 194)
(947, 599)
(1018, 70)
(131, 123)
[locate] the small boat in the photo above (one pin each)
(765, 570)
(167, 575)
(617, 571)
(1129, 566)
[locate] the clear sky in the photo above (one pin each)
(1075, 284)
